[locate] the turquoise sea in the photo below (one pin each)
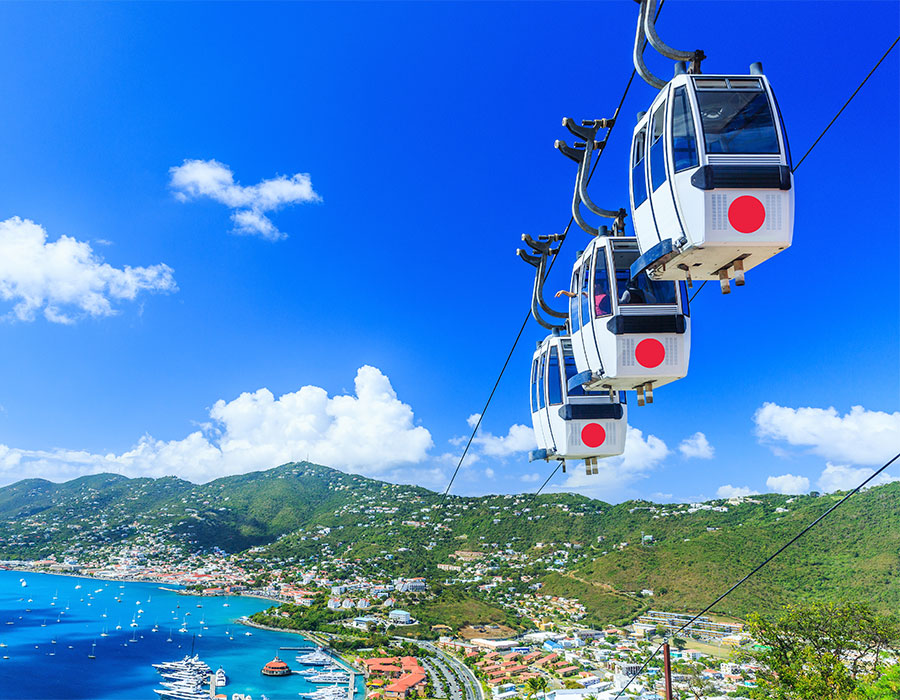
(74, 613)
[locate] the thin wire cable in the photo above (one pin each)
(833, 120)
(697, 292)
(600, 150)
(849, 99)
(760, 566)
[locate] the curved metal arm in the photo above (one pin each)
(535, 297)
(539, 262)
(655, 41)
(542, 276)
(581, 183)
(639, 46)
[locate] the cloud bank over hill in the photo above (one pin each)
(370, 432)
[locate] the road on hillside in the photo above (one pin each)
(471, 686)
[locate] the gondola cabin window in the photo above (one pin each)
(684, 139)
(638, 179)
(738, 120)
(657, 148)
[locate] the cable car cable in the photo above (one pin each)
(849, 99)
(834, 119)
(767, 560)
(697, 292)
(528, 315)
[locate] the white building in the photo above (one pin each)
(400, 617)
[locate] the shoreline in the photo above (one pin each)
(307, 635)
(162, 585)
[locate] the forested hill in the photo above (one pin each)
(577, 546)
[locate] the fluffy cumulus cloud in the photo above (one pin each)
(697, 446)
(617, 474)
(519, 438)
(729, 491)
(65, 280)
(788, 484)
(250, 204)
(860, 437)
(369, 432)
(840, 477)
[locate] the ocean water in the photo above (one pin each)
(38, 668)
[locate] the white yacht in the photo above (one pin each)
(330, 677)
(315, 658)
(221, 678)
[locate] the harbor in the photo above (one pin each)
(58, 628)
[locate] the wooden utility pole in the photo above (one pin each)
(668, 670)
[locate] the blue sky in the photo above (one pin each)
(410, 146)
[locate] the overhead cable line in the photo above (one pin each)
(833, 120)
(760, 566)
(528, 315)
(849, 99)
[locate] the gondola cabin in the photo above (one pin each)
(571, 424)
(712, 193)
(627, 332)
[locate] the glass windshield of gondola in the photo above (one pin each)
(737, 121)
(641, 289)
(572, 370)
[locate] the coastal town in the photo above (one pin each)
(483, 598)
(552, 654)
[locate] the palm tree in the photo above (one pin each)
(535, 685)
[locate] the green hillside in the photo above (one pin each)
(604, 555)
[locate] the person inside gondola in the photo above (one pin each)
(632, 295)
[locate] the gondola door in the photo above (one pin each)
(662, 196)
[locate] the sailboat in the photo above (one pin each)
(92, 655)
(133, 621)
(104, 633)
(170, 635)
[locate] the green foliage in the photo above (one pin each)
(303, 511)
(887, 687)
(822, 651)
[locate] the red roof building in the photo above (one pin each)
(276, 667)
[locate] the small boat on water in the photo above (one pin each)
(221, 678)
(315, 658)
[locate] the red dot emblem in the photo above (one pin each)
(593, 435)
(746, 214)
(650, 353)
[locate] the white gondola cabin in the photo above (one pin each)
(712, 193)
(572, 424)
(627, 332)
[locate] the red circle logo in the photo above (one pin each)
(650, 353)
(746, 214)
(593, 435)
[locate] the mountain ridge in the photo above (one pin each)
(577, 546)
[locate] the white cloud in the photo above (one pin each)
(788, 484)
(519, 438)
(532, 478)
(370, 432)
(210, 178)
(489, 473)
(839, 477)
(697, 446)
(616, 474)
(861, 437)
(729, 491)
(65, 279)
